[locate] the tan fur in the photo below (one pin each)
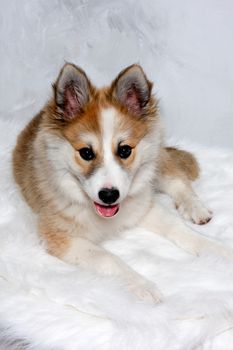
(23, 169)
(72, 133)
(176, 162)
(138, 129)
(57, 241)
(128, 162)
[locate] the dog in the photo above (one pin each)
(90, 163)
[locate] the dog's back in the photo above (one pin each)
(176, 162)
(23, 163)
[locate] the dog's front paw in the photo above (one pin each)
(146, 291)
(194, 210)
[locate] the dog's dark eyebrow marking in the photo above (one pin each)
(90, 173)
(93, 170)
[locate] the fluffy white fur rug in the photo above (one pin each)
(47, 304)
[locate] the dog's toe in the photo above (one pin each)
(203, 221)
(194, 210)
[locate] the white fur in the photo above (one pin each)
(54, 305)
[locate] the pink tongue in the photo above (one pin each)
(106, 211)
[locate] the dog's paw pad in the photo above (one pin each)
(194, 210)
(203, 221)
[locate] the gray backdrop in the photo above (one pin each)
(185, 46)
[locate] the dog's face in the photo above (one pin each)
(110, 137)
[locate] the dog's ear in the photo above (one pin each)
(72, 91)
(132, 89)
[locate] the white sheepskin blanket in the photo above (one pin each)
(46, 304)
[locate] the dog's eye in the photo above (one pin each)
(87, 153)
(124, 151)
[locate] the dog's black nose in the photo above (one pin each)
(109, 195)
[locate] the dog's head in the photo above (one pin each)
(109, 138)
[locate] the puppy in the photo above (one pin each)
(89, 164)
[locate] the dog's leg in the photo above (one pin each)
(186, 200)
(162, 222)
(177, 169)
(86, 254)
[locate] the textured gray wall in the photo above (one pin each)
(185, 47)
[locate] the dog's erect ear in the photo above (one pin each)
(132, 89)
(72, 91)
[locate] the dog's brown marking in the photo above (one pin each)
(57, 241)
(175, 162)
(75, 131)
(88, 167)
(23, 168)
(127, 162)
(86, 122)
(136, 129)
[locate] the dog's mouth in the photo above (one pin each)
(106, 211)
